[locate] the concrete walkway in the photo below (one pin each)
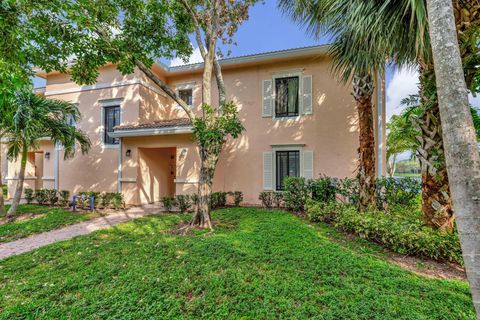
(42, 239)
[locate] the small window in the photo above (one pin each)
(186, 95)
(286, 99)
(287, 165)
(111, 118)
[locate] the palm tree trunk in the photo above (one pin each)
(3, 212)
(461, 150)
(362, 93)
(19, 187)
(437, 209)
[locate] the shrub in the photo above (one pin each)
(397, 191)
(277, 199)
(296, 193)
(218, 199)
(41, 196)
(104, 199)
(5, 190)
(64, 197)
(399, 229)
(237, 197)
(116, 200)
(168, 203)
(320, 211)
(51, 196)
(323, 189)
(267, 198)
(348, 189)
(183, 202)
(29, 195)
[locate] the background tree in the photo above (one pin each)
(36, 117)
(133, 34)
(400, 138)
(462, 156)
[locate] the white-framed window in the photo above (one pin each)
(185, 91)
(286, 161)
(111, 117)
(287, 95)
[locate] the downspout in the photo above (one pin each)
(120, 158)
(380, 122)
(56, 161)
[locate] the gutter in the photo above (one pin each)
(150, 132)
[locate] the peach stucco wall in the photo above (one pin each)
(331, 132)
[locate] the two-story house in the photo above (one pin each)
(299, 121)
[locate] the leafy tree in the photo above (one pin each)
(404, 132)
(133, 34)
(460, 142)
(36, 117)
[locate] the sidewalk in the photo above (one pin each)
(42, 239)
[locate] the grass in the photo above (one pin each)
(256, 265)
(409, 175)
(48, 219)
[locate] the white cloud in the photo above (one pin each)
(196, 57)
(404, 83)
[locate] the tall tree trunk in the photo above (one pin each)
(461, 149)
(437, 209)
(201, 216)
(19, 187)
(362, 92)
(3, 212)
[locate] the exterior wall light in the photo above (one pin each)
(128, 153)
(47, 155)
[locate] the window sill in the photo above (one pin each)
(293, 118)
(110, 146)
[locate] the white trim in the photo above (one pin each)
(128, 180)
(48, 178)
(107, 85)
(254, 58)
(16, 178)
(286, 74)
(150, 132)
(184, 181)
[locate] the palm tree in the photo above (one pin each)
(398, 29)
(348, 23)
(36, 117)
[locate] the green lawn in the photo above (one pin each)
(48, 219)
(256, 265)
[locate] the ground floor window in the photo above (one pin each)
(287, 165)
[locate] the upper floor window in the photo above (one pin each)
(286, 98)
(186, 95)
(111, 118)
(287, 165)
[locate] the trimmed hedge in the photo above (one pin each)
(399, 229)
